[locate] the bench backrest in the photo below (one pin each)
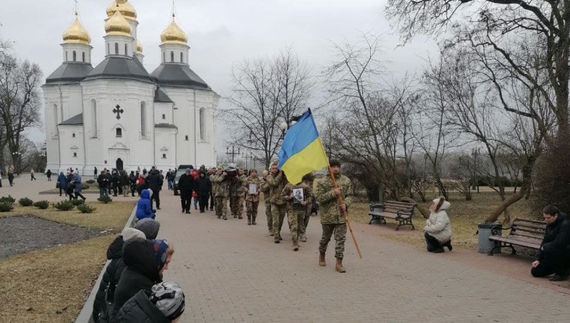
(528, 230)
(405, 208)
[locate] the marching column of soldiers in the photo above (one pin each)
(231, 185)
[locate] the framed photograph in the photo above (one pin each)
(298, 196)
(252, 188)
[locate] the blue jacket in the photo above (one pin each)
(77, 181)
(62, 180)
(143, 206)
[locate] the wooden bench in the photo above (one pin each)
(400, 211)
(524, 233)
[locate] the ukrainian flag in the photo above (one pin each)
(302, 149)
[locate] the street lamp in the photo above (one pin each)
(475, 152)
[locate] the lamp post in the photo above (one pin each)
(475, 152)
(16, 161)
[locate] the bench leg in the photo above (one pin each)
(402, 222)
(513, 251)
(497, 245)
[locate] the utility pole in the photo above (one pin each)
(232, 153)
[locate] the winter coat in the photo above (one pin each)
(252, 197)
(139, 309)
(556, 239)
(141, 272)
(203, 186)
(328, 201)
(110, 278)
(103, 180)
(77, 181)
(144, 209)
(438, 225)
(307, 195)
(124, 179)
(153, 181)
(186, 183)
(62, 181)
(276, 185)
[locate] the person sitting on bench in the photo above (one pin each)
(553, 258)
(438, 229)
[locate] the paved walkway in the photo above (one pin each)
(232, 272)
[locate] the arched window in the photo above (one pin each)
(83, 57)
(163, 116)
(143, 119)
(94, 117)
(163, 156)
(126, 49)
(202, 124)
(73, 135)
(171, 57)
(186, 137)
(74, 56)
(116, 48)
(119, 133)
(181, 57)
(74, 154)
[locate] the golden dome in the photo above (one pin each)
(117, 25)
(76, 34)
(174, 34)
(126, 9)
(139, 47)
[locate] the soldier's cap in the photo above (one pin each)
(334, 162)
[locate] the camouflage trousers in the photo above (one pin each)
(269, 217)
(236, 205)
(277, 217)
(339, 231)
(296, 219)
(305, 223)
(251, 208)
(221, 206)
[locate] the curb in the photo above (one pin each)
(85, 314)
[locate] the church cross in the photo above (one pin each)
(118, 111)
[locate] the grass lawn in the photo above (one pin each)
(51, 285)
(464, 217)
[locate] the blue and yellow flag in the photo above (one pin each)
(302, 150)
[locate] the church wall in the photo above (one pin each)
(165, 154)
(72, 148)
(163, 112)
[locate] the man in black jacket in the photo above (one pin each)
(154, 182)
(186, 186)
(553, 258)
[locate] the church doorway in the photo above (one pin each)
(119, 164)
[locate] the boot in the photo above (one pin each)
(303, 238)
(240, 217)
(339, 266)
(322, 261)
(248, 219)
(253, 220)
(295, 246)
(448, 245)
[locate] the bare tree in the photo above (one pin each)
(20, 100)
(267, 92)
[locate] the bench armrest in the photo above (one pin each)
(399, 214)
(495, 230)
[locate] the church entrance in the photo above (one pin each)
(119, 164)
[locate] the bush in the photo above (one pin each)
(64, 205)
(42, 204)
(6, 207)
(77, 202)
(90, 181)
(105, 199)
(84, 208)
(84, 186)
(7, 199)
(25, 201)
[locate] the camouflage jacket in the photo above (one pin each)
(221, 184)
(276, 185)
(252, 197)
(329, 209)
(307, 195)
(214, 183)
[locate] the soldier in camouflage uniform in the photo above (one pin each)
(297, 208)
(277, 182)
(265, 190)
(332, 218)
(222, 193)
(236, 191)
(252, 200)
(242, 178)
(308, 179)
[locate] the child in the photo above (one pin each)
(165, 303)
(144, 209)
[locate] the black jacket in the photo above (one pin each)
(203, 186)
(186, 183)
(153, 181)
(139, 309)
(111, 276)
(556, 238)
(103, 180)
(141, 272)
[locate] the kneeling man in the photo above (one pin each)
(553, 258)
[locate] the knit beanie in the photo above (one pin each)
(130, 233)
(160, 247)
(149, 227)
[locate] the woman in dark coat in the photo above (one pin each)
(203, 188)
(62, 183)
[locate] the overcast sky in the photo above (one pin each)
(220, 32)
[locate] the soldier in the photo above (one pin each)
(332, 217)
(277, 182)
(266, 197)
(212, 171)
(299, 196)
(242, 178)
(308, 179)
(222, 194)
(252, 186)
(236, 190)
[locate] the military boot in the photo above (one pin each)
(253, 217)
(303, 238)
(322, 261)
(339, 266)
(248, 219)
(295, 246)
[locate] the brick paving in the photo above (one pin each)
(232, 272)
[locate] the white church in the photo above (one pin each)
(116, 114)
